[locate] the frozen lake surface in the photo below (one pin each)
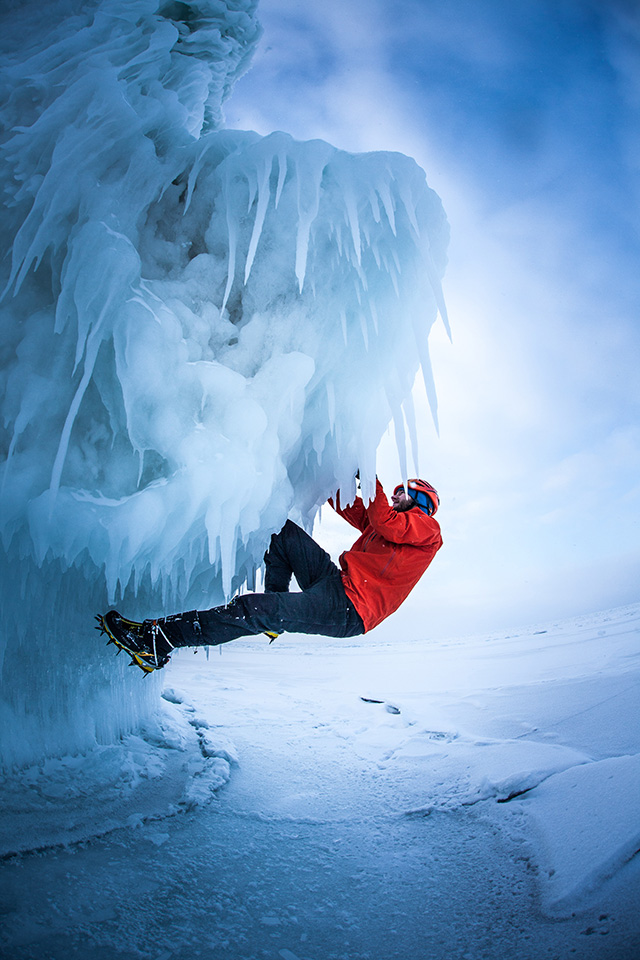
(486, 805)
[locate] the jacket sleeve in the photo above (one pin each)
(410, 526)
(355, 514)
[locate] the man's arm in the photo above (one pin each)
(355, 513)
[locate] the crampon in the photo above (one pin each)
(136, 640)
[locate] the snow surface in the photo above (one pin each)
(202, 332)
(486, 806)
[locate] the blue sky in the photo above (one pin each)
(525, 117)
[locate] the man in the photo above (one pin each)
(396, 546)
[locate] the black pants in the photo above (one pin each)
(321, 608)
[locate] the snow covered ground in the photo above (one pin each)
(481, 800)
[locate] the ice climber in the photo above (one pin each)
(396, 545)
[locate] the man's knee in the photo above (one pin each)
(258, 611)
(279, 539)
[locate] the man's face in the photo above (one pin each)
(400, 501)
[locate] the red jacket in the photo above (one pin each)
(385, 563)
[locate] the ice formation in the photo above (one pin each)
(203, 331)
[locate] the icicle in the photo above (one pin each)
(331, 404)
(374, 316)
(393, 274)
(93, 345)
(427, 372)
(309, 170)
(410, 419)
(343, 324)
(302, 249)
(375, 206)
(232, 233)
(352, 218)
(438, 294)
(430, 387)
(206, 146)
(228, 540)
(264, 195)
(282, 173)
(387, 202)
(409, 205)
(252, 182)
(401, 444)
(363, 328)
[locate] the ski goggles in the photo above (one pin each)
(419, 497)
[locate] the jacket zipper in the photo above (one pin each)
(386, 566)
(368, 539)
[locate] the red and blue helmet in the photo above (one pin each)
(425, 495)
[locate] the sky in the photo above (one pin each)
(525, 118)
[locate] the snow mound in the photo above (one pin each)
(174, 764)
(464, 772)
(586, 821)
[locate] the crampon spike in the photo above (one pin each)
(129, 637)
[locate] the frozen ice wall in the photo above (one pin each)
(203, 331)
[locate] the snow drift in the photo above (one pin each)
(203, 332)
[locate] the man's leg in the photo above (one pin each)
(292, 551)
(324, 609)
(151, 643)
